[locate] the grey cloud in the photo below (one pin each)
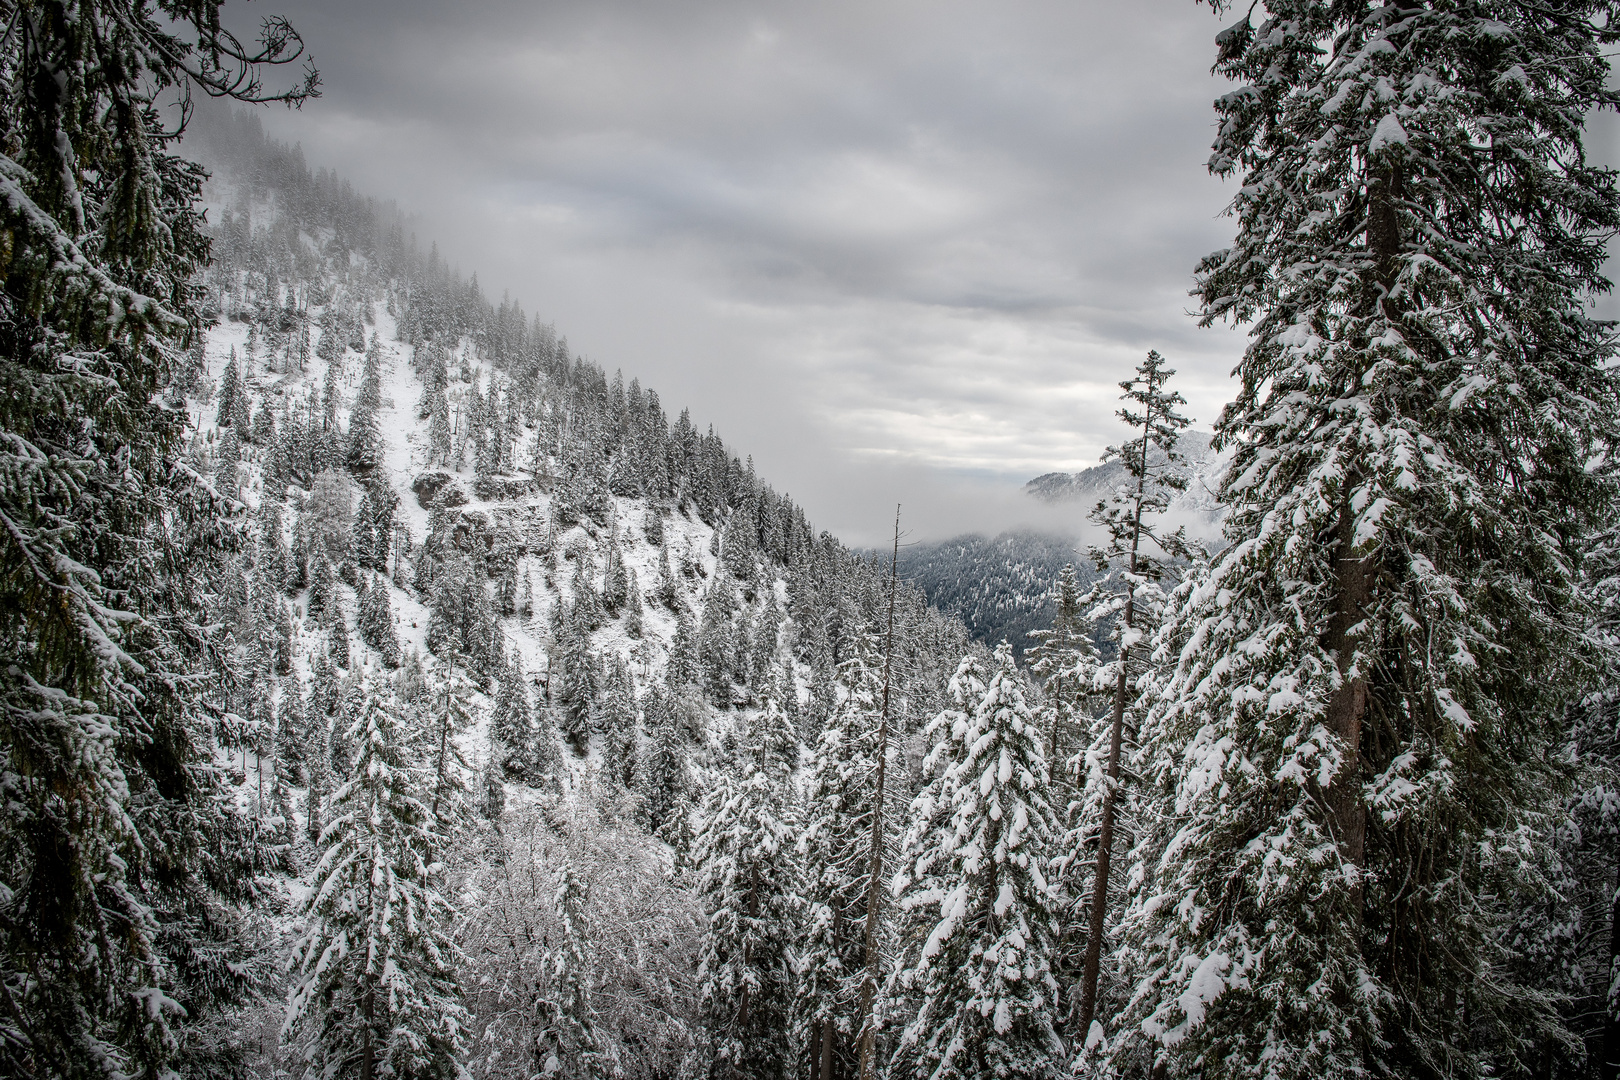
(897, 251)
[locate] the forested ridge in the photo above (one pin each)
(393, 692)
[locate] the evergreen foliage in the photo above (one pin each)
(747, 884)
(1358, 737)
(972, 887)
(373, 985)
(835, 845)
(121, 866)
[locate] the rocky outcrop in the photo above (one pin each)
(438, 489)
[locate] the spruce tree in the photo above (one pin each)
(973, 889)
(567, 1044)
(746, 878)
(664, 781)
(683, 669)
(337, 630)
(835, 846)
(117, 847)
(511, 725)
(292, 732)
(616, 719)
(1370, 681)
(580, 678)
(230, 393)
(373, 987)
(1137, 551)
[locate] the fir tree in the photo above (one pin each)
(494, 801)
(373, 987)
(580, 676)
(376, 621)
(835, 844)
(567, 1044)
(121, 858)
(683, 669)
(743, 850)
(227, 460)
(664, 781)
(337, 629)
(615, 580)
(1370, 680)
(292, 732)
(616, 719)
(511, 730)
(1135, 541)
(973, 888)
(231, 396)
(452, 715)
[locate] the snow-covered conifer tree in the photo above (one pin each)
(1358, 733)
(616, 719)
(664, 781)
(373, 987)
(743, 849)
(567, 1044)
(580, 678)
(973, 888)
(1138, 553)
(835, 846)
(337, 629)
(511, 724)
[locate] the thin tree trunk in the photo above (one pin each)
(1609, 1068)
(444, 739)
(874, 881)
(1091, 971)
(368, 1053)
(828, 1028)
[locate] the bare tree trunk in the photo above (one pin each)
(1609, 1068)
(829, 1033)
(368, 1053)
(1091, 971)
(874, 881)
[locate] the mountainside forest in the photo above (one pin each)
(389, 691)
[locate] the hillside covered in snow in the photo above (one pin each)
(578, 601)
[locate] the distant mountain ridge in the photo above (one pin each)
(1002, 587)
(1090, 485)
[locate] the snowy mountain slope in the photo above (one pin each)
(579, 608)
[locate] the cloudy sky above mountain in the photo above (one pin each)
(897, 251)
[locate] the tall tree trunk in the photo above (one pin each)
(1091, 971)
(1353, 573)
(1347, 705)
(829, 1030)
(874, 881)
(1609, 1068)
(368, 1053)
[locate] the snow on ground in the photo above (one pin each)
(405, 438)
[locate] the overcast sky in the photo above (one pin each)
(898, 252)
